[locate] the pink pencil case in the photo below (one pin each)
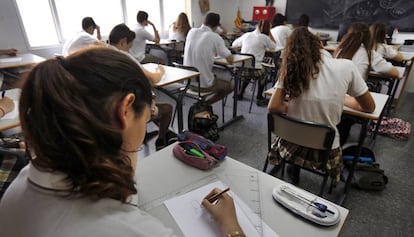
(190, 153)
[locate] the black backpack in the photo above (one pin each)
(203, 121)
(367, 175)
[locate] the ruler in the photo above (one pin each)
(251, 180)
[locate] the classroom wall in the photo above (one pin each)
(12, 34)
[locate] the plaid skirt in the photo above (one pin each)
(305, 157)
(253, 73)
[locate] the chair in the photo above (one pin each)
(197, 95)
(303, 133)
(249, 73)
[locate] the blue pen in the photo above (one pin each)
(3, 93)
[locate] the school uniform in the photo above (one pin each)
(321, 103)
(35, 205)
(78, 41)
(138, 47)
(386, 51)
(378, 63)
(255, 43)
(281, 33)
(175, 35)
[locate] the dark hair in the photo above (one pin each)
(88, 22)
(182, 24)
(279, 19)
(67, 112)
(142, 16)
(119, 32)
(358, 33)
(378, 32)
(264, 27)
(303, 20)
(212, 19)
(300, 62)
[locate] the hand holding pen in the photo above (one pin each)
(6, 104)
(221, 207)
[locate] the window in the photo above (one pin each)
(38, 24)
(50, 22)
(106, 14)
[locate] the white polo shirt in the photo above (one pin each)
(201, 47)
(78, 41)
(255, 43)
(280, 34)
(28, 208)
(323, 101)
(378, 63)
(386, 51)
(140, 41)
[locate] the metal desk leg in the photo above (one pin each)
(361, 140)
(235, 117)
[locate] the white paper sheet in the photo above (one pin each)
(194, 220)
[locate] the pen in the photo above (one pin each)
(217, 195)
(3, 93)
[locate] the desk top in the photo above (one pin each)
(237, 58)
(20, 60)
(11, 120)
(376, 75)
(172, 74)
(380, 102)
(231, 172)
(163, 42)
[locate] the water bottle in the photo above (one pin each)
(395, 36)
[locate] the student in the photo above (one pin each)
(141, 37)
(81, 175)
(201, 47)
(10, 52)
(280, 30)
(121, 38)
(83, 38)
(378, 33)
(179, 29)
(356, 46)
(317, 86)
(256, 43)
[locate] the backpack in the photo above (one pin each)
(203, 121)
(367, 174)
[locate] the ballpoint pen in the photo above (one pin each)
(217, 195)
(3, 93)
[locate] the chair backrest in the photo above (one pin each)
(303, 133)
(191, 68)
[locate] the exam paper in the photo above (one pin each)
(10, 60)
(194, 220)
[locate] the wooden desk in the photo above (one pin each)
(20, 60)
(6, 122)
(174, 75)
(153, 190)
(237, 58)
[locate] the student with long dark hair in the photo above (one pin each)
(317, 86)
(378, 32)
(84, 119)
(356, 46)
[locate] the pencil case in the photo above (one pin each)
(191, 154)
(218, 151)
